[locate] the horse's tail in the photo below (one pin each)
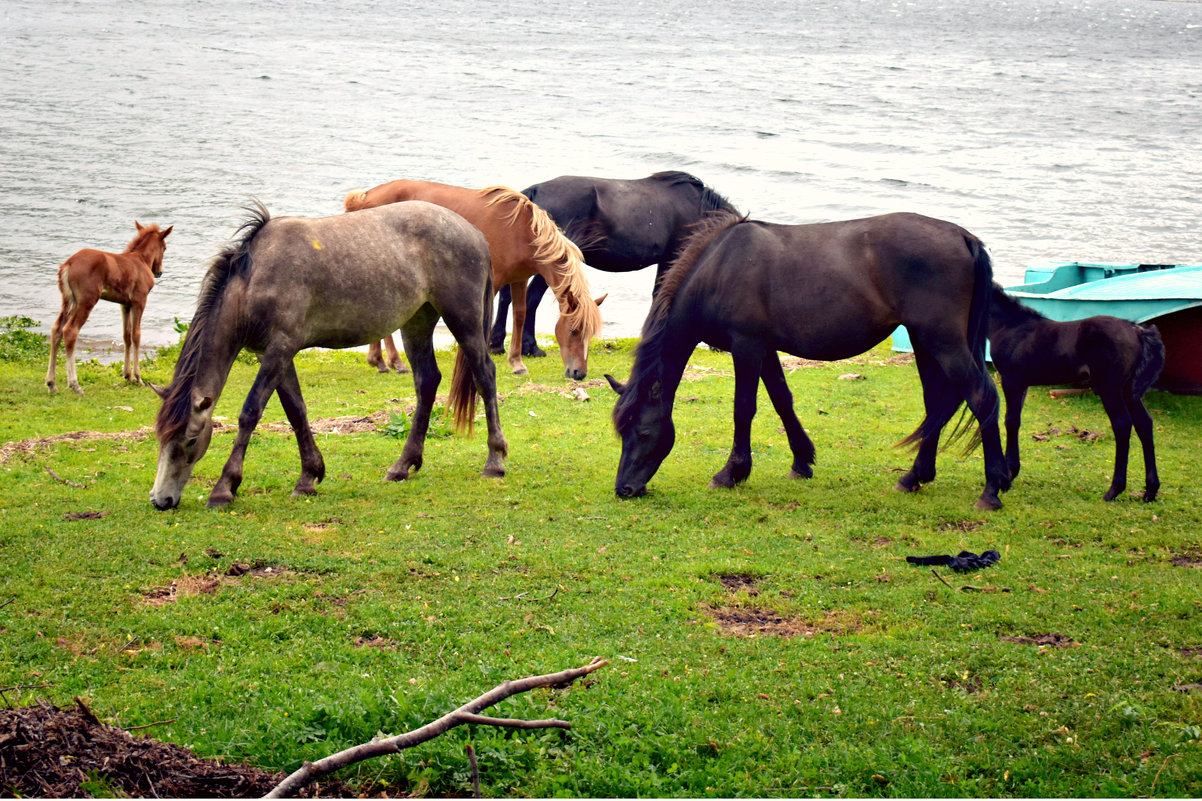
(355, 200)
(1151, 360)
(463, 385)
(978, 331)
(65, 288)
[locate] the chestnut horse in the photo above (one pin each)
(523, 241)
(1119, 359)
(335, 282)
(826, 291)
(93, 275)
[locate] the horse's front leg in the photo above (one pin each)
(517, 291)
(127, 334)
(773, 375)
(313, 468)
(1016, 396)
(748, 361)
(496, 340)
(534, 295)
(135, 338)
(394, 357)
(265, 383)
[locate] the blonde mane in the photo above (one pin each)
(552, 249)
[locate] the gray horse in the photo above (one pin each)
(291, 283)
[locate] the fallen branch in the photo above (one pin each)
(945, 584)
(990, 588)
(68, 482)
(468, 713)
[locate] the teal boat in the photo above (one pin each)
(1167, 295)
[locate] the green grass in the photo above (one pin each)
(867, 677)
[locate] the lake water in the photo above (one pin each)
(1052, 129)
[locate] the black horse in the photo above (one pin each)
(827, 291)
(620, 225)
(1117, 358)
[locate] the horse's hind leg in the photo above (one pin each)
(271, 367)
(313, 468)
(70, 330)
(773, 375)
(394, 357)
(56, 336)
(418, 338)
(1120, 424)
(748, 358)
(940, 402)
(1144, 429)
(484, 374)
(517, 291)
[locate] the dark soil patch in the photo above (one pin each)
(751, 622)
(1047, 640)
(1195, 651)
(211, 582)
(1187, 559)
(734, 582)
(68, 753)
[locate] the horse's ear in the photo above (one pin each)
(200, 403)
(139, 225)
(160, 391)
(614, 384)
(657, 391)
(164, 234)
(601, 299)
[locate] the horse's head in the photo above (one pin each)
(155, 244)
(574, 330)
(184, 428)
(643, 418)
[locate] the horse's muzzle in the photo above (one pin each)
(627, 491)
(574, 374)
(163, 504)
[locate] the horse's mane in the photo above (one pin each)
(232, 261)
(709, 199)
(648, 356)
(1009, 311)
(554, 250)
(142, 237)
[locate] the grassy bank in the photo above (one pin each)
(769, 640)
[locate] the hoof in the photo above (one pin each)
(901, 486)
(78, 390)
(716, 483)
(535, 352)
(401, 369)
(395, 474)
(302, 492)
(987, 504)
(493, 472)
(50, 386)
(805, 473)
(219, 500)
(521, 371)
(1149, 496)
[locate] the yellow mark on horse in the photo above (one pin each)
(317, 244)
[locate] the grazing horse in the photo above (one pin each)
(1119, 359)
(523, 241)
(93, 275)
(826, 291)
(620, 225)
(335, 282)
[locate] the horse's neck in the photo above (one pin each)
(673, 348)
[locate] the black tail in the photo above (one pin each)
(978, 331)
(1151, 360)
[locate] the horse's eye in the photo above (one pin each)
(573, 331)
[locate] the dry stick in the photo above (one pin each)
(936, 575)
(57, 477)
(471, 759)
(148, 725)
(467, 713)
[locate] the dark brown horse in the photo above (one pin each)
(827, 291)
(522, 241)
(335, 282)
(620, 225)
(94, 275)
(1117, 358)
